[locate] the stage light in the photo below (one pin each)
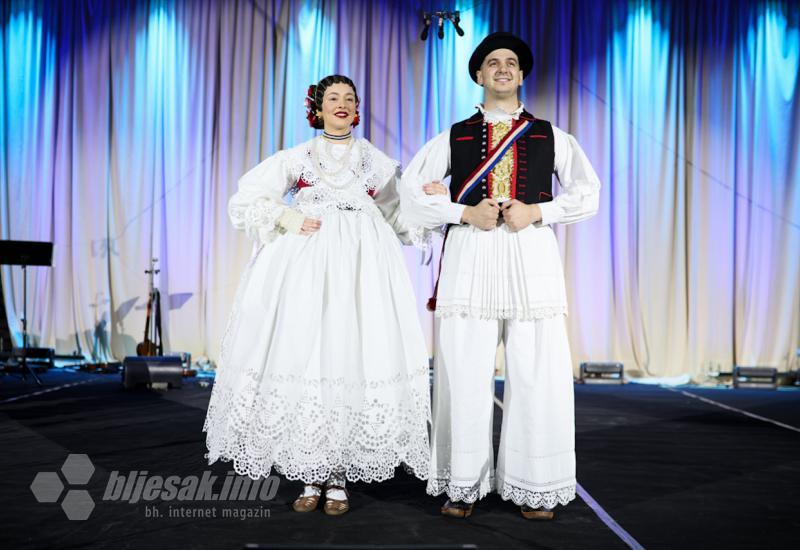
(427, 18)
(426, 22)
(455, 18)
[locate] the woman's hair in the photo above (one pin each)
(317, 91)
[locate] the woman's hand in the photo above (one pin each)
(310, 225)
(435, 188)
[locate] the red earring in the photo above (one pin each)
(356, 119)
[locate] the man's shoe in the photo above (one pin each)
(541, 514)
(457, 509)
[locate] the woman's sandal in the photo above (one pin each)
(335, 507)
(307, 503)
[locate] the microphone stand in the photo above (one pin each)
(25, 365)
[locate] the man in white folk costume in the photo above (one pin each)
(501, 278)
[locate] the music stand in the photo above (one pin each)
(24, 254)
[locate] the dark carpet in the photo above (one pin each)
(674, 472)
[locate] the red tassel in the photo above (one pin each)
(431, 305)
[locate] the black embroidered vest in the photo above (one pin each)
(534, 153)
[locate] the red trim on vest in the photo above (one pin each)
(465, 138)
(514, 173)
(537, 136)
(542, 193)
(516, 162)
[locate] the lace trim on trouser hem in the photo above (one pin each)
(536, 499)
(468, 494)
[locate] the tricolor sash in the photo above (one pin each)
(492, 159)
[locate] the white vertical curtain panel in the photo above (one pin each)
(125, 126)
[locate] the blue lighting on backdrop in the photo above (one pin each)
(29, 59)
(170, 101)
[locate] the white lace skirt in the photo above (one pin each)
(324, 366)
(501, 274)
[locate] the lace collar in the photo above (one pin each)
(369, 168)
(499, 115)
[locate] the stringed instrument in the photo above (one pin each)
(152, 345)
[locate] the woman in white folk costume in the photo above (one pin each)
(501, 278)
(324, 370)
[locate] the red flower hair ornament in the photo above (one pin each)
(311, 110)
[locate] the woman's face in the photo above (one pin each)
(338, 108)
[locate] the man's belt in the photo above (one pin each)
(492, 159)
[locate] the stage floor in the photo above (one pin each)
(657, 468)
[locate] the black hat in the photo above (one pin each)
(496, 41)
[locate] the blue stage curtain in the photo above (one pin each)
(125, 125)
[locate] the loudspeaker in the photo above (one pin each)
(137, 371)
(601, 373)
(755, 377)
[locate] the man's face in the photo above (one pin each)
(500, 74)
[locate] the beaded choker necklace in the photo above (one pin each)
(332, 137)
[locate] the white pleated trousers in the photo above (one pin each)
(536, 459)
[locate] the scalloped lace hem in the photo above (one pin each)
(516, 313)
(536, 499)
(377, 470)
(260, 429)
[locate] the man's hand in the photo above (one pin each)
(310, 225)
(519, 215)
(483, 216)
(435, 188)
